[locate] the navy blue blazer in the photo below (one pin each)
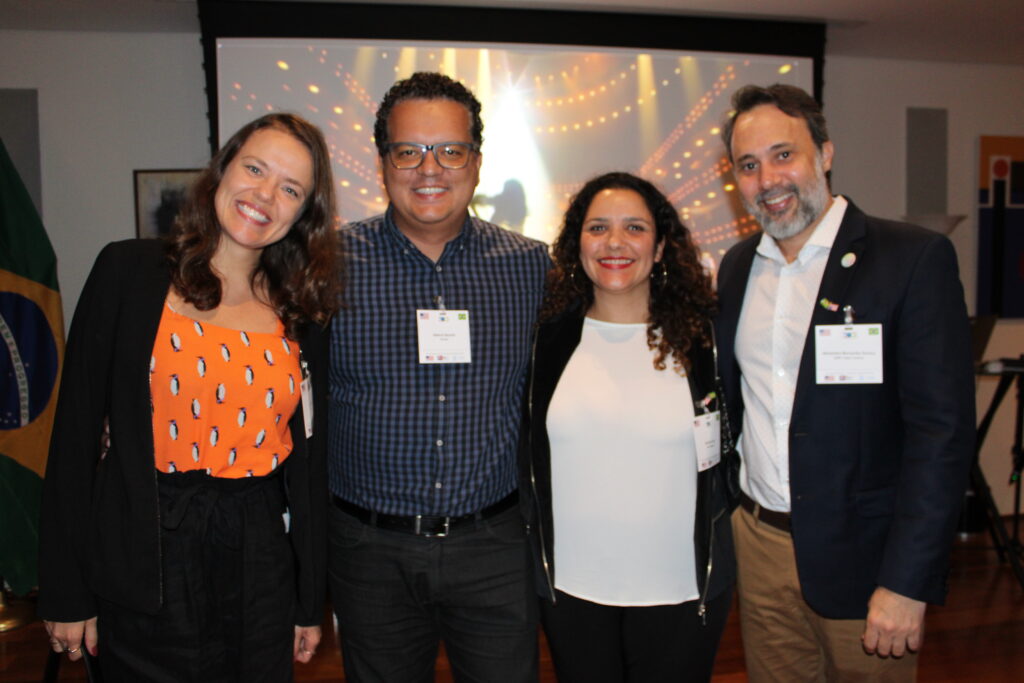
(877, 471)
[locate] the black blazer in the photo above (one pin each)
(99, 527)
(877, 471)
(712, 533)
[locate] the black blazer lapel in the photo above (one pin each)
(732, 287)
(556, 342)
(140, 315)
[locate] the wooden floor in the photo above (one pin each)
(977, 636)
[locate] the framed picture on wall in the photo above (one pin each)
(158, 196)
(1001, 226)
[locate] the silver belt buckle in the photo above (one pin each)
(426, 534)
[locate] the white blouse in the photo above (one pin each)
(623, 473)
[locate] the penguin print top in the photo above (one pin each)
(221, 398)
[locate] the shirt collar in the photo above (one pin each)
(405, 243)
(821, 239)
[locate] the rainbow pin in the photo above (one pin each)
(829, 305)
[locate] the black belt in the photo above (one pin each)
(424, 525)
(773, 518)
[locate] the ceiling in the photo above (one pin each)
(986, 31)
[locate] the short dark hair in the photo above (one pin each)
(427, 85)
(791, 100)
(682, 297)
(301, 271)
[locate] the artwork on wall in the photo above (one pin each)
(158, 196)
(1001, 226)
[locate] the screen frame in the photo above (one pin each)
(239, 19)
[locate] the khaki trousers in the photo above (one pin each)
(786, 641)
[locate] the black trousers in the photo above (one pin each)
(592, 643)
(229, 591)
(398, 595)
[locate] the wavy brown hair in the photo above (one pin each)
(301, 272)
(682, 302)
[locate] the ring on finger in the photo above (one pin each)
(72, 651)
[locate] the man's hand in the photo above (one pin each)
(306, 640)
(895, 624)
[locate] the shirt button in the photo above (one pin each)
(439, 442)
(437, 268)
(437, 484)
(441, 398)
(781, 373)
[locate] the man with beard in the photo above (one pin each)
(846, 363)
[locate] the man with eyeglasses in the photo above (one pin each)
(428, 363)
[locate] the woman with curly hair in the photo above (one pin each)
(629, 493)
(190, 544)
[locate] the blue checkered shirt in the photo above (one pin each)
(407, 438)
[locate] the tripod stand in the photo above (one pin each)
(1008, 548)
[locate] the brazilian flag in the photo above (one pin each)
(32, 336)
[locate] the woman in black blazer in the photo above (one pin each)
(627, 504)
(189, 548)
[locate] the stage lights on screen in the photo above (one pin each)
(553, 117)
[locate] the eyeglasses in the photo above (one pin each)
(409, 155)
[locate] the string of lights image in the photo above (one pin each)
(554, 116)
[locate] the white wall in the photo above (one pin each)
(865, 103)
(109, 103)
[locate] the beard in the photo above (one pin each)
(811, 200)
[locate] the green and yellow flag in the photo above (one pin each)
(31, 349)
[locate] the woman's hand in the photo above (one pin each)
(66, 636)
(306, 640)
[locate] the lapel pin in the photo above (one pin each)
(849, 258)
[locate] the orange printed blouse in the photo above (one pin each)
(221, 398)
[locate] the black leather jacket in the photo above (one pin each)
(716, 487)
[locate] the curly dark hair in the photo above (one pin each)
(791, 100)
(301, 272)
(427, 85)
(682, 302)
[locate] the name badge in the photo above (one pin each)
(707, 430)
(848, 354)
(306, 392)
(443, 336)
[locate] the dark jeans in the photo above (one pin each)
(228, 590)
(592, 643)
(397, 596)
